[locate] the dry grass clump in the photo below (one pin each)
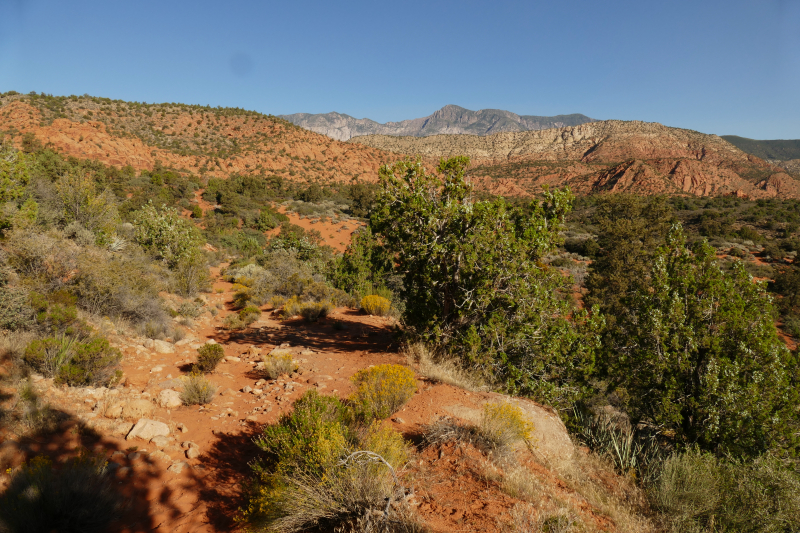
(78, 496)
(197, 390)
(502, 426)
(275, 365)
(519, 483)
(621, 499)
(448, 371)
(527, 518)
(383, 389)
(446, 429)
(208, 357)
(375, 305)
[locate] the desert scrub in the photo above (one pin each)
(275, 365)
(504, 424)
(74, 362)
(208, 357)
(197, 390)
(319, 470)
(697, 491)
(313, 311)
(309, 439)
(383, 389)
(249, 314)
(80, 495)
(375, 305)
(233, 322)
(443, 369)
(15, 311)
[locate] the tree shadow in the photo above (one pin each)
(151, 495)
(325, 335)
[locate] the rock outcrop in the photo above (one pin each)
(606, 156)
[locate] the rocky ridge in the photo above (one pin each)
(606, 156)
(451, 119)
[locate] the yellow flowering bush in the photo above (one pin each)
(321, 466)
(504, 424)
(381, 390)
(375, 305)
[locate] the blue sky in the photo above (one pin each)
(725, 67)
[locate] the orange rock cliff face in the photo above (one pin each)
(607, 156)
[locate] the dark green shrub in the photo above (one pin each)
(473, 282)
(723, 378)
(94, 362)
(77, 497)
(74, 362)
(208, 357)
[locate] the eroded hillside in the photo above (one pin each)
(646, 158)
(202, 140)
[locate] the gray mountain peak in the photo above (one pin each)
(451, 119)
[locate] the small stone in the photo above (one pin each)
(399, 420)
(118, 453)
(136, 409)
(159, 456)
(193, 453)
(182, 427)
(228, 392)
(160, 441)
(156, 369)
(134, 456)
(177, 467)
(211, 341)
(163, 347)
(258, 391)
(147, 429)
(123, 471)
(169, 399)
(232, 359)
(260, 382)
(247, 389)
(252, 418)
(188, 444)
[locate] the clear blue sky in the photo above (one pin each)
(717, 66)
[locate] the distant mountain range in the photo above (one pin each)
(777, 150)
(451, 119)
